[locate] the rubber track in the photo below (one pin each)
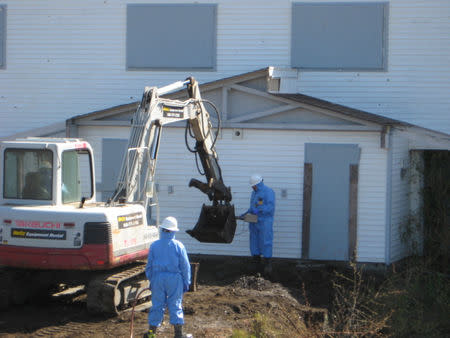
(5, 289)
(101, 290)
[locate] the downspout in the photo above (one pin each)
(388, 221)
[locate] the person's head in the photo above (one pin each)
(169, 224)
(46, 164)
(255, 179)
(45, 171)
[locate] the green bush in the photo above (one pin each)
(419, 299)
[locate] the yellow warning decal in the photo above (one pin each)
(130, 220)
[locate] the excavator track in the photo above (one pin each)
(5, 289)
(15, 288)
(115, 293)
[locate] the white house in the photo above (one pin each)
(59, 59)
(293, 79)
(343, 178)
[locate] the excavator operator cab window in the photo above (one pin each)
(76, 176)
(28, 174)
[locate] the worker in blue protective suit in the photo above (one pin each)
(169, 272)
(262, 204)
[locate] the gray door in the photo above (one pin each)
(329, 223)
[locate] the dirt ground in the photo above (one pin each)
(230, 295)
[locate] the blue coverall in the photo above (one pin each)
(262, 203)
(169, 272)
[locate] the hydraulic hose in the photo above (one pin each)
(132, 312)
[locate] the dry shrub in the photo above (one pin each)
(261, 328)
(357, 308)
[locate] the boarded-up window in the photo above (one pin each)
(171, 36)
(2, 36)
(339, 36)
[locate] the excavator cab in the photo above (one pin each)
(47, 171)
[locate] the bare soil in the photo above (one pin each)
(230, 296)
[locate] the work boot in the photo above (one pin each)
(256, 263)
(151, 333)
(178, 329)
(267, 266)
(256, 259)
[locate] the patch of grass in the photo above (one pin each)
(261, 328)
(242, 334)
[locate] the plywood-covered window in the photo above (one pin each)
(339, 36)
(171, 36)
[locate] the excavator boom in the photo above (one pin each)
(216, 223)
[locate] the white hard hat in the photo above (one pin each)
(255, 179)
(170, 223)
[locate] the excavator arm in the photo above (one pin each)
(205, 146)
(135, 183)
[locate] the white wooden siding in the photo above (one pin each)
(65, 58)
(415, 87)
(279, 157)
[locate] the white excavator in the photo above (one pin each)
(54, 233)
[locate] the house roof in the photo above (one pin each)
(253, 100)
(351, 112)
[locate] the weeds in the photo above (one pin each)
(419, 299)
(357, 308)
(419, 295)
(261, 328)
(242, 334)
(412, 302)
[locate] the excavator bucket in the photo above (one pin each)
(216, 224)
